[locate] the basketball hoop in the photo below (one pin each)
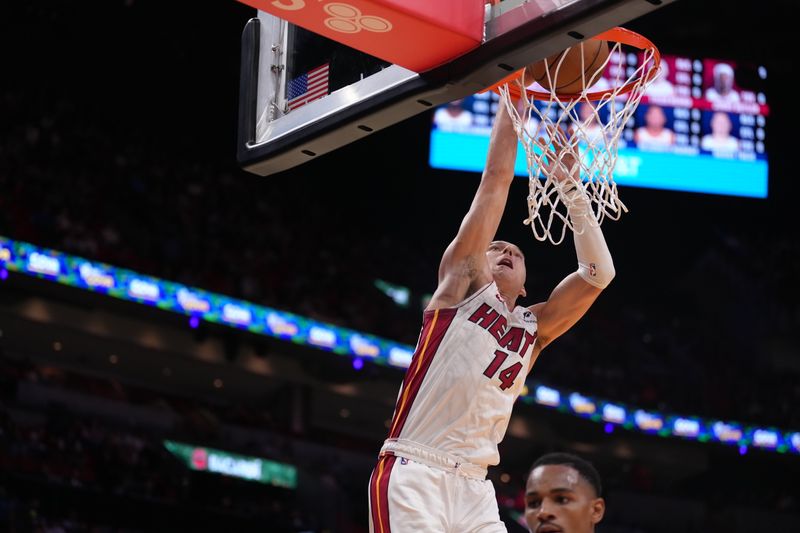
(591, 122)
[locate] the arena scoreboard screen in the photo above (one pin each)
(701, 127)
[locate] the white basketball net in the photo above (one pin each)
(591, 129)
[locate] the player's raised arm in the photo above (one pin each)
(464, 268)
(571, 298)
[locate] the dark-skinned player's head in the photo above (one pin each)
(563, 494)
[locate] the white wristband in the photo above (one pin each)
(574, 197)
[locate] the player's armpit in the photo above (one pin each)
(459, 280)
(568, 302)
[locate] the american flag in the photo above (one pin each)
(308, 87)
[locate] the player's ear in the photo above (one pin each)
(598, 510)
(522, 292)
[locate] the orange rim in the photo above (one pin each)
(618, 35)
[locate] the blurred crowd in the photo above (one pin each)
(718, 340)
(67, 466)
(180, 221)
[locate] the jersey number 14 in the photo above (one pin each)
(507, 375)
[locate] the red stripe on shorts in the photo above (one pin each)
(379, 494)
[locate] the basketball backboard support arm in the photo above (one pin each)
(517, 32)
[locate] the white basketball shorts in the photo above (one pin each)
(424, 491)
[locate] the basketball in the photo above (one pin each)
(583, 61)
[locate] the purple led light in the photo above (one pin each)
(3, 274)
(742, 450)
(358, 363)
(194, 322)
(609, 428)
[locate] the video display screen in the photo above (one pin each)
(701, 127)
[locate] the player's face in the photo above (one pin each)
(506, 263)
(725, 82)
(655, 117)
(586, 112)
(558, 499)
(721, 124)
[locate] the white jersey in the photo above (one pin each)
(647, 141)
(469, 367)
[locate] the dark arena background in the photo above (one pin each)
(117, 162)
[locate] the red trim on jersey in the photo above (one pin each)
(379, 494)
(434, 327)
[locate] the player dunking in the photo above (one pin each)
(474, 351)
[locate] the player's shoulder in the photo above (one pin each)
(536, 308)
(444, 298)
